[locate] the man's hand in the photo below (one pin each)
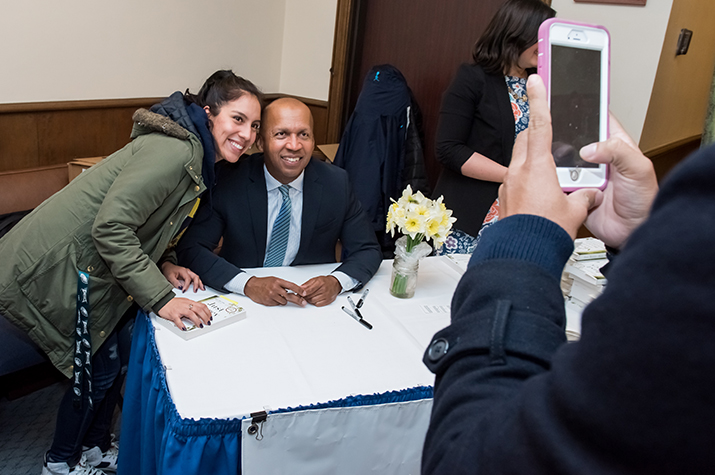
(272, 291)
(631, 189)
(322, 290)
(178, 307)
(531, 185)
(181, 277)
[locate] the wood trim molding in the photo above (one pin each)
(666, 157)
(339, 68)
(306, 100)
(24, 107)
(671, 146)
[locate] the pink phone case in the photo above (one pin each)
(543, 70)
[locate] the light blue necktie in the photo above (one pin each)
(279, 236)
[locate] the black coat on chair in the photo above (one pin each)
(372, 150)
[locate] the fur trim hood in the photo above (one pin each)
(145, 119)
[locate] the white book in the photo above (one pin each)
(588, 248)
(584, 293)
(224, 311)
(589, 271)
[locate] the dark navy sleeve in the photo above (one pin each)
(633, 395)
(195, 249)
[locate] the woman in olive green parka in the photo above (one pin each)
(112, 225)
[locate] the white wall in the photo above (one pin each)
(637, 35)
(308, 47)
(88, 49)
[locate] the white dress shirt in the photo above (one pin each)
(275, 200)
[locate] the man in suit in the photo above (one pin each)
(279, 208)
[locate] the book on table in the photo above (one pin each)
(223, 310)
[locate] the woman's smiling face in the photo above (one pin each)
(235, 126)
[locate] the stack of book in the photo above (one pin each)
(582, 281)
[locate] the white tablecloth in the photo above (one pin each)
(290, 356)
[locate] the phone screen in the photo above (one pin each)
(575, 103)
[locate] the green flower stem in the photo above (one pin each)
(413, 242)
(399, 286)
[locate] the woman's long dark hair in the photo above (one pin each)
(221, 87)
(514, 28)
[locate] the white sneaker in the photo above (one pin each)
(106, 461)
(61, 468)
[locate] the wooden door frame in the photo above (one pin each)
(344, 43)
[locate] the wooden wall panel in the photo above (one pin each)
(43, 134)
(85, 133)
(320, 119)
(19, 147)
(666, 158)
(426, 41)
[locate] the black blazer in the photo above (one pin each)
(238, 212)
(475, 116)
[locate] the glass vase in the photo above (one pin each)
(404, 278)
(404, 268)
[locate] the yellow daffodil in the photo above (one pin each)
(420, 218)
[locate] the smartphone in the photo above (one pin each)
(574, 62)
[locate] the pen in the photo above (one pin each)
(358, 318)
(365, 324)
(362, 320)
(362, 298)
(352, 304)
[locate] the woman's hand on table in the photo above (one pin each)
(272, 291)
(179, 307)
(181, 277)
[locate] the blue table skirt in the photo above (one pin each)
(156, 440)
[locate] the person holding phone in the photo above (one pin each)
(635, 393)
(483, 110)
(74, 269)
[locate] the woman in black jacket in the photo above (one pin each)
(482, 111)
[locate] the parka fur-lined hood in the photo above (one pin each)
(146, 121)
(170, 117)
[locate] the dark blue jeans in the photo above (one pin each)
(77, 427)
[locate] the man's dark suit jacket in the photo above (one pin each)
(238, 212)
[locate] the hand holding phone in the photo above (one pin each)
(631, 189)
(574, 62)
(531, 186)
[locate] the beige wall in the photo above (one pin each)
(308, 47)
(636, 41)
(682, 85)
(84, 49)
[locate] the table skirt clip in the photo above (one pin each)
(256, 419)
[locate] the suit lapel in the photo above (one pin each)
(312, 191)
(258, 208)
